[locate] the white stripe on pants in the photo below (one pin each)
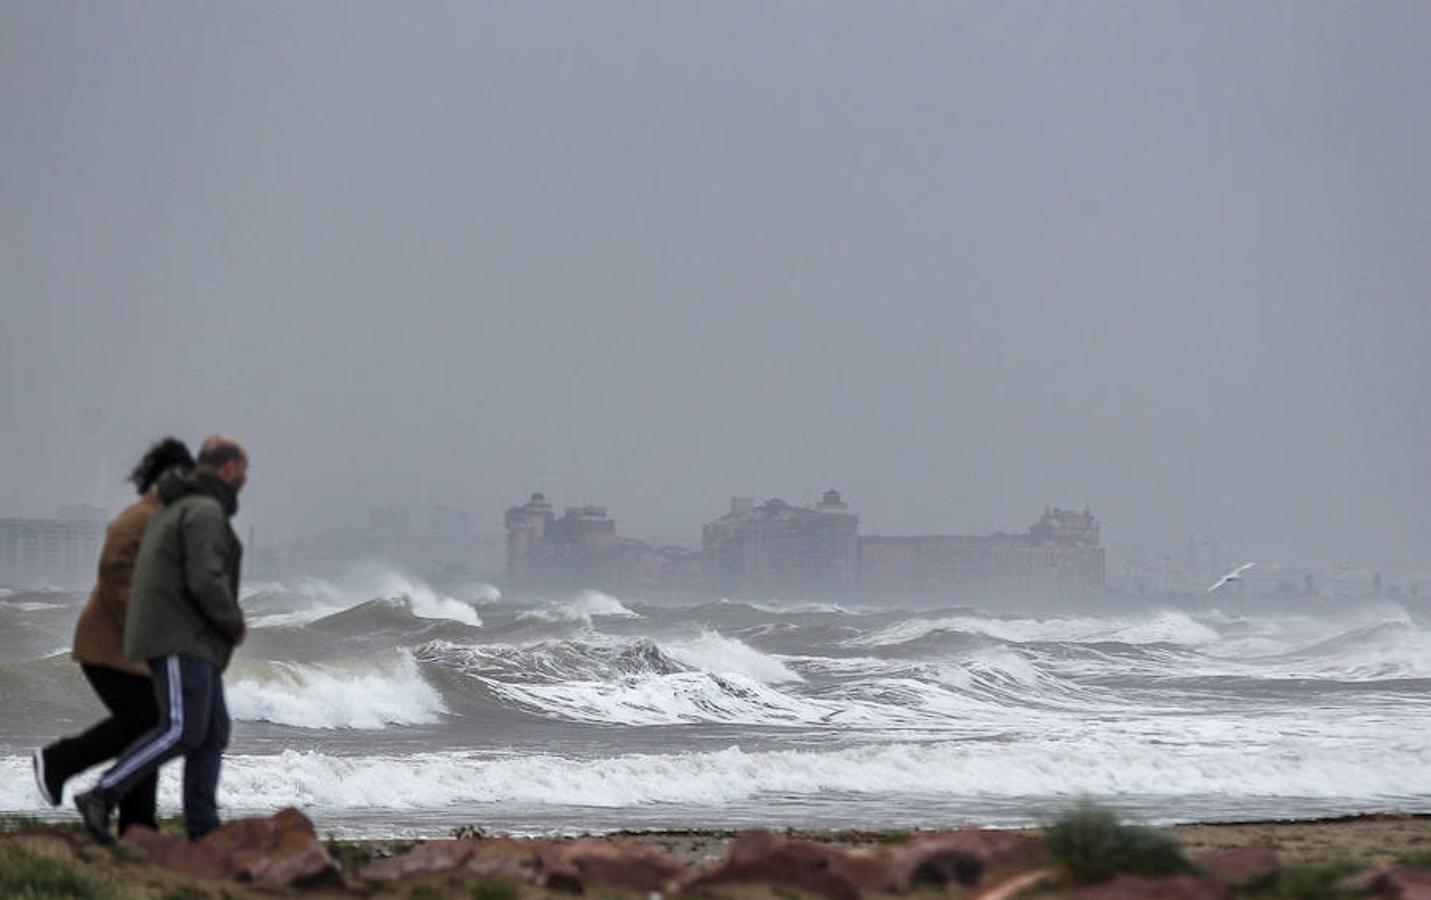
(160, 744)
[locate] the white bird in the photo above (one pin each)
(1234, 575)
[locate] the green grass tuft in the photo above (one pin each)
(1419, 860)
(13, 824)
(32, 876)
(493, 889)
(1093, 845)
(1312, 881)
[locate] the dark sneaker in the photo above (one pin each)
(50, 786)
(94, 809)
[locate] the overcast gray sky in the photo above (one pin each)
(1168, 260)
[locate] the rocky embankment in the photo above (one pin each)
(1385, 856)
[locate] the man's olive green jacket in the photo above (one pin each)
(186, 579)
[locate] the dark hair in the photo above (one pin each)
(219, 451)
(164, 455)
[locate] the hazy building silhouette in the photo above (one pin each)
(776, 549)
(1059, 558)
(581, 550)
(59, 552)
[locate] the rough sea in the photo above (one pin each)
(383, 707)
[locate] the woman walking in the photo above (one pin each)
(124, 687)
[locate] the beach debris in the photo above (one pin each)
(281, 850)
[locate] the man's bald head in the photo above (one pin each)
(227, 458)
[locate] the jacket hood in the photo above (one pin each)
(177, 483)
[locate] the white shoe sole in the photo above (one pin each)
(37, 760)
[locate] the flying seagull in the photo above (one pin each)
(1234, 575)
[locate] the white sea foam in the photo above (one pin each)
(1377, 764)
(1167, 626)
(30, 605)
(713, 652)
(359, 583)
(583, 608)
(883, 704)
(362, 694)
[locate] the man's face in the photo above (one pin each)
(234, 473)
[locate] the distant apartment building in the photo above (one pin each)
(776, 549)
(1059, 557)
(61, 552)
(581, 550)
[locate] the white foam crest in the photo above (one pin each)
(583, 608)
(360, 694)
(1388, 651)
(390, 583)
(674, 698)
(30, 605)
(713, 652)
(359, 583)
(1164, 627)
(789, 608)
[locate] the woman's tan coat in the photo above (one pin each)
(99, 635)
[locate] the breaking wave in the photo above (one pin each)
(584, 608)
(1088, 766)
(361, 694)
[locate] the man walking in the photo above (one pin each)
(184, 621)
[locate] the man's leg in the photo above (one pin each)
(130, 701)
(183, 693)
(201, 767)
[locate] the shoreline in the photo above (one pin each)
(1376, 837)
(282, 861)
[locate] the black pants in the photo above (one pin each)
(193, 723)
(130, 701)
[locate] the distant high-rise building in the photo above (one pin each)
(59, 552)
(581, 550)
(1058, 558)
(776, 549)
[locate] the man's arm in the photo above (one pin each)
(205, 539)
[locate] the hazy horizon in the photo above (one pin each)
(960, 262)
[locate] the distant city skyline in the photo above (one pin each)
(960, 260)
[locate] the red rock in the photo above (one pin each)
(436, 856)
(569, 865)
(1012, 885)
(1180, 887)
(179, 854)
(761, 856)
(962, 857)
(1240, 865)
(279, 851)
(506, 858)
(1401, 884)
